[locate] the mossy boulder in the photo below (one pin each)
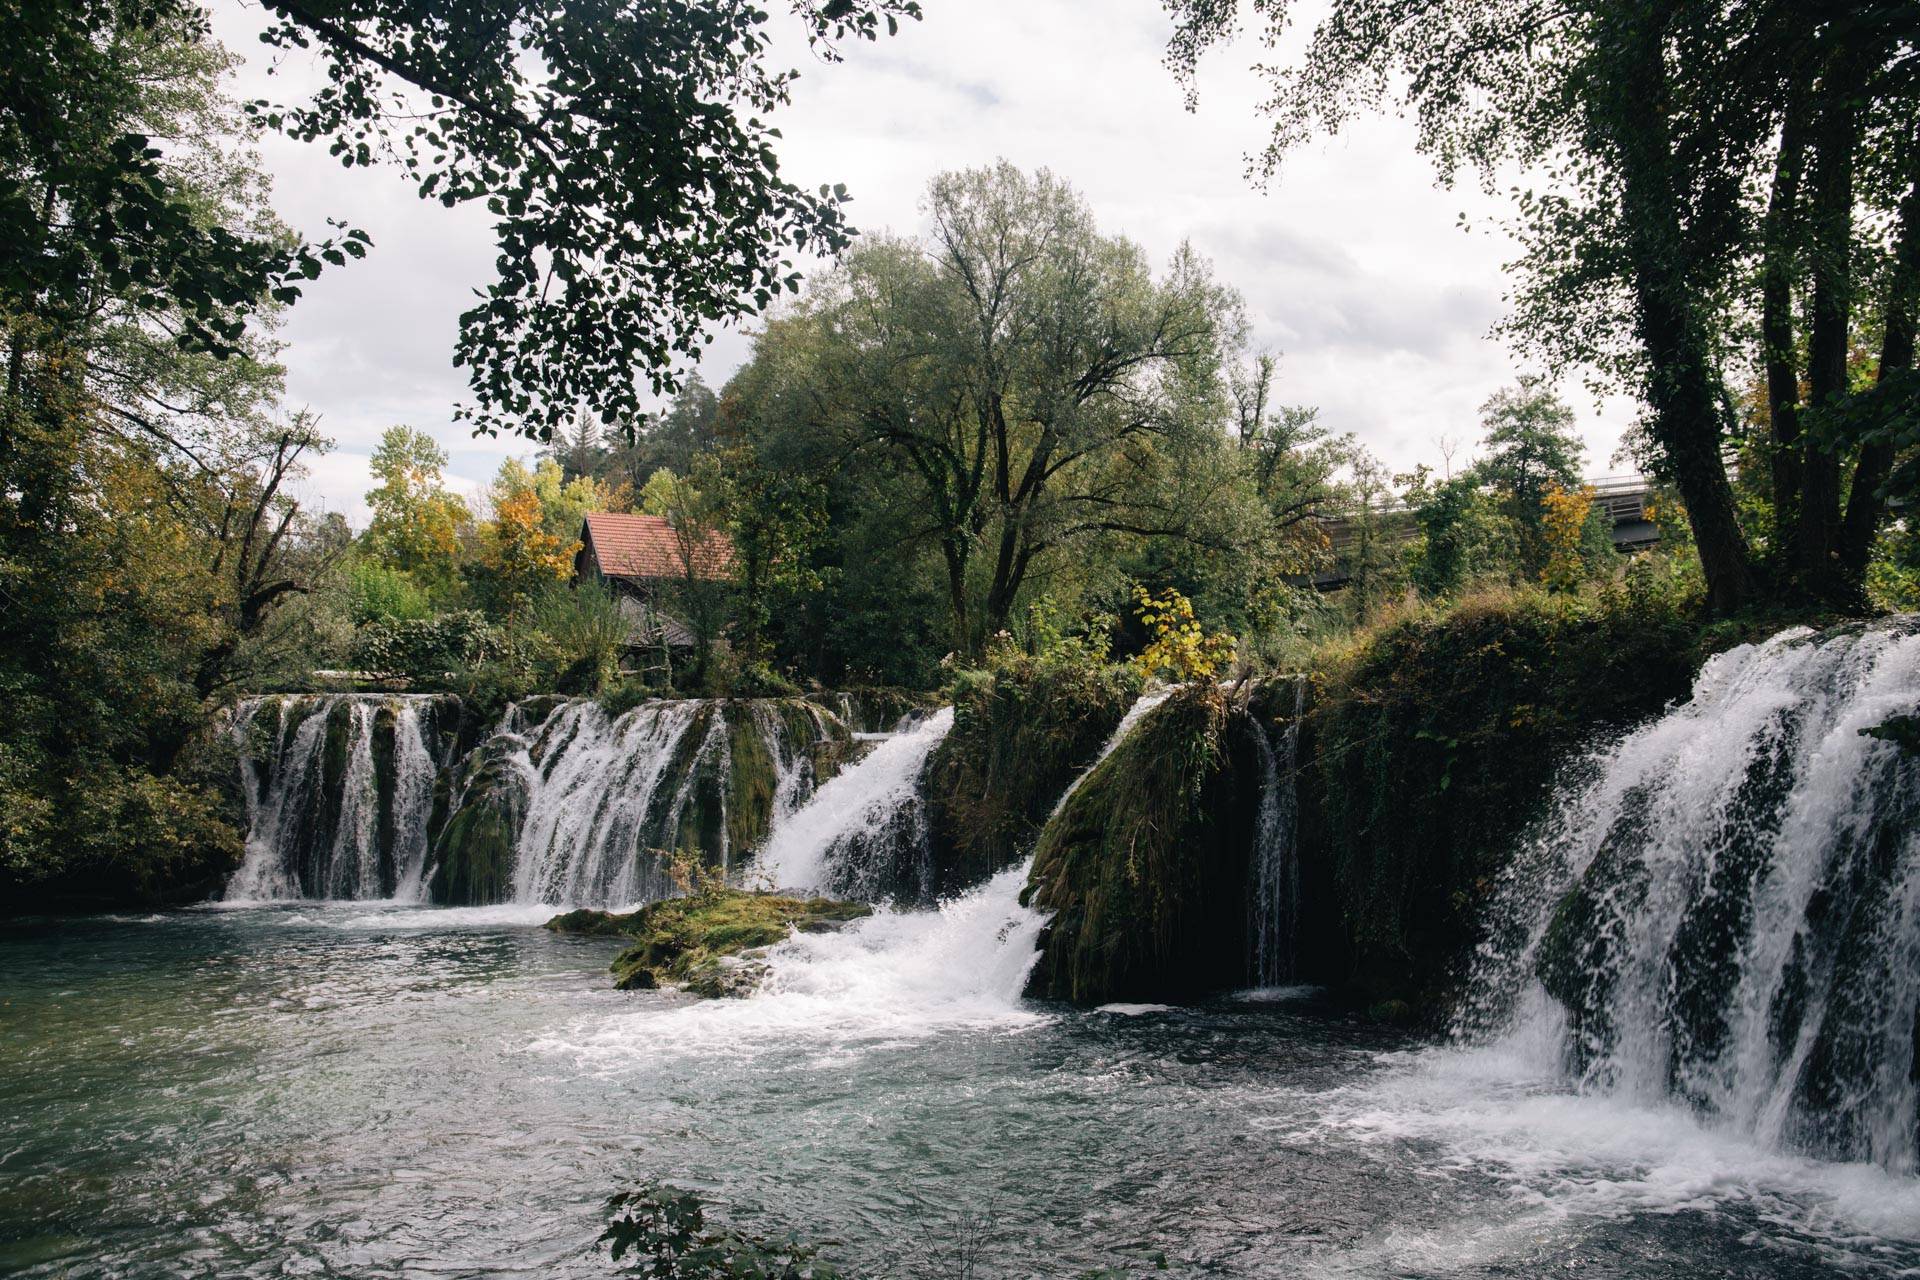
(1435, 741)
(877, 708)
(709, 943)
(1146, 868)
(1021, 734)
(473, 856)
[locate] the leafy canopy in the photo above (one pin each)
(624, 152)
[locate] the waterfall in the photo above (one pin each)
(896, 974)
(1141, 706)
(793, 775)
(1724, 905)
(1276, 868)
(324, 818)
(597, 813)
(848, 839)
(362, 795)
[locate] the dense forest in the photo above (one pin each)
(1005, 432)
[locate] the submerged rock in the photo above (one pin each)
(711, 943)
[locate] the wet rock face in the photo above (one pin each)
(711, 943)
(1146, 868)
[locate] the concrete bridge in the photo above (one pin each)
(1624, 499)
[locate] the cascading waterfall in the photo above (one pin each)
(362, 796)
(850, 838)
(1724, 907)
(324, 820)
(793, 775)
(898, 972)
(597, 806)
(1276, 868)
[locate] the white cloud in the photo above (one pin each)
(1353, 263)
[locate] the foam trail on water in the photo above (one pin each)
(811, 850)
(895, 976)
(1502, 1111)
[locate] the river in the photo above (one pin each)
(369, 1090)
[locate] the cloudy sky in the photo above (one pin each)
(1353, 264)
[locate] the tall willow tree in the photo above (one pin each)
(1705, 165)
(1033, 381)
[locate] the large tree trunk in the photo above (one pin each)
(1865, 507)
(1831, 242)
(1681, 385)
(1776, 323)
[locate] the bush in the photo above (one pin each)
(110, 836)
(584, 627)
(425, 650)
(666, 1231)
(378, 593)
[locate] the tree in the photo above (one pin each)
(696, 511)
(1463, 539)
(417, 522)
(520, 556)
(624, 150)
(1030, 378)
(150, 555)
(1371, 559)
(776, 519)
(1656, 127)
(1532, 451)
(264, 554)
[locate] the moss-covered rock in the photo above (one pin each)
(877, 708)
(473, 856)
(1021, 734)
(708, 943)
(1435, 742)
(1145, 869)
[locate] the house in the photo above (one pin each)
(644, 559)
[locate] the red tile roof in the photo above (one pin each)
(626, 546)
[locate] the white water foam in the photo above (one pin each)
(1504, 1112)
(862, 800)
(1758, 828)
(894, 977)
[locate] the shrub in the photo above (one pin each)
(584, 627)
(379, 593)
(666, 1231)
(427, 650)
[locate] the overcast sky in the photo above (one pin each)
(1353, 263)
